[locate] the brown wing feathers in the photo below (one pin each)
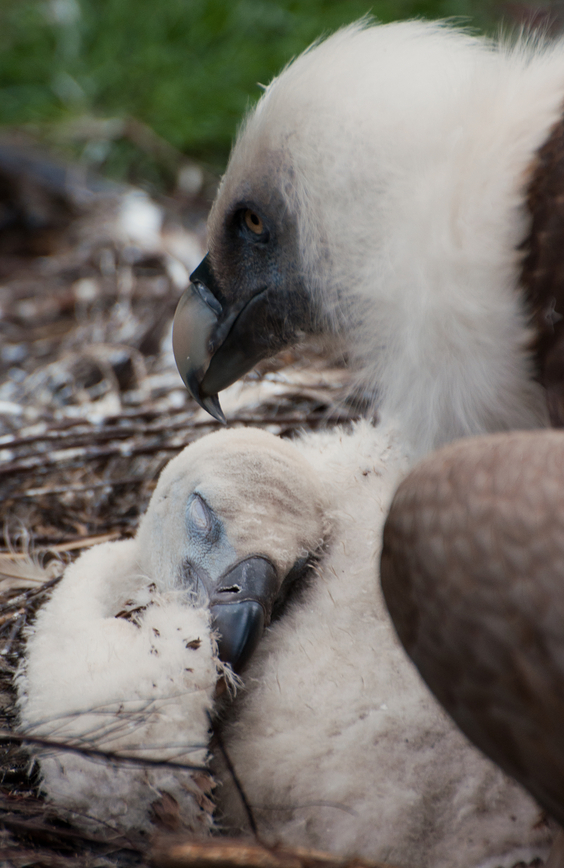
(542, 275)
(473, 574)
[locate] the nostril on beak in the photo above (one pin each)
(241, 608)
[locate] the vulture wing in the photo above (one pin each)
(473, 575)
(543, 269)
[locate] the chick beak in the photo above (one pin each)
(241, 607)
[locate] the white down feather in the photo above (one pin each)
(122, 657)
(336, 739)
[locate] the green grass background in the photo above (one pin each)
(187, 69)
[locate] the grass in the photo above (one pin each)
(185, 68)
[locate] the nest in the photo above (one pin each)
(91, 408)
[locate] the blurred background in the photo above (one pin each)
(128, 86)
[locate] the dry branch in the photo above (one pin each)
(180, 853)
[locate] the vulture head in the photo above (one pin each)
(378, 195)
(234, 519)
(124, 656)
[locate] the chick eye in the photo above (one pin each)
(199, 514)
(253, 222)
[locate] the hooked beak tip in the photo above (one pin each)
(194, 322)
(211, 404)
(241, 608)
(239, 629)
(214, 342)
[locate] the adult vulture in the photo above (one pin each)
(396, 189)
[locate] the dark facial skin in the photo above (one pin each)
(253, 275)
(253, 245)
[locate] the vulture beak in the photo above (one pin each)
(194, 325)
(215, 344)
(241, 604)
(241, 608)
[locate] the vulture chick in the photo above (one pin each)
(337, 741)
(473, 575)
(124, 657)
(396, 189)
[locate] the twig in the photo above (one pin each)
(41, 464)
(179, 852)
(80, 489)
(236, 781)
(23, 599)
(80, 543)
(13, 633)
(96, 753)
(60, 834)
(101, 434)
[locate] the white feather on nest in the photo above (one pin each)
(26, 571)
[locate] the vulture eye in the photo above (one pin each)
(201, 518)
(253, 222)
